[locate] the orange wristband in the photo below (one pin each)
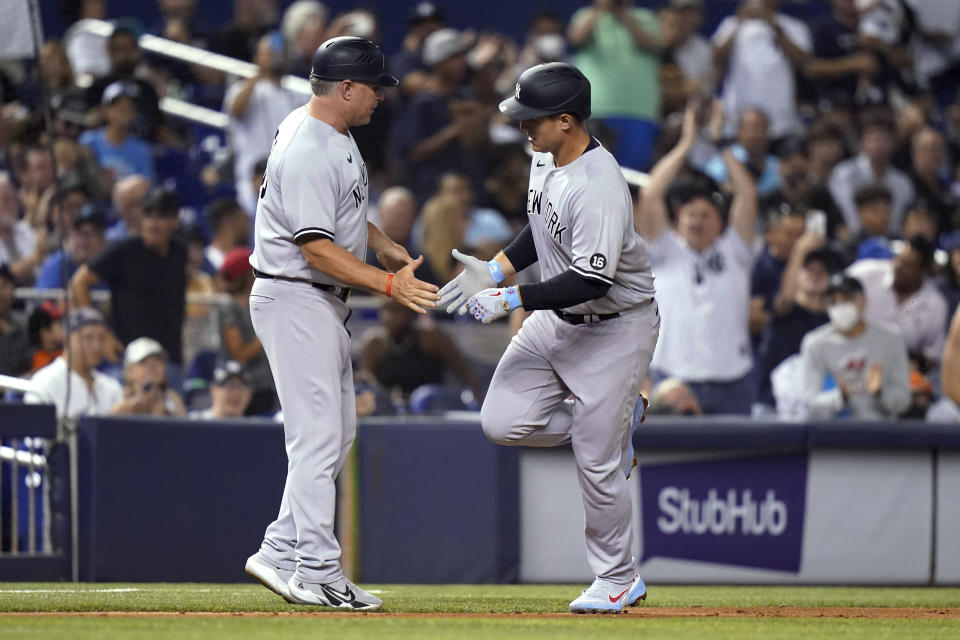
(389, 283)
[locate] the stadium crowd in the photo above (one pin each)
(802, 212)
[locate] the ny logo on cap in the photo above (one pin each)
(517, 92)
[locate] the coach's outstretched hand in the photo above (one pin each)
(474, 278)
(411, 292)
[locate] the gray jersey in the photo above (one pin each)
(581, 217)
(315, 186)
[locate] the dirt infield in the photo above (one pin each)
(899, 613)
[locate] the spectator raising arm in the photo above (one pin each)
(650, 219)
(784, 301)
(81, 284)
(743, 209)
(241, 101)
(642, 39)
(26, 268)
(831, 68)
(581, 29)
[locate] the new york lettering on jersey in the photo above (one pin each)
(324, 193)
(581, 217)
(549, 213)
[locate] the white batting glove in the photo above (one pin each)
(476, 276)
(490, 304)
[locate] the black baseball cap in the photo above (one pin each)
(90, 214)
(68, 183)
(826, 257)
(424, 12)
(228, 371)
(162, 201)
(843, 284)
(80, 317)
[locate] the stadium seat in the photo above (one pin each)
(435, 398)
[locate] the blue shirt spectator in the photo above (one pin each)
(132, 156)
(84, 240)
(767, 182)
(116, 149)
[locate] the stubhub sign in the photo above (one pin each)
(736, 511)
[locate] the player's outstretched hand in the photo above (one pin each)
(411, 292)
(474, 278)
(491, 304)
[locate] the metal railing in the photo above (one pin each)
(25, 481)
(26, 463)
(29, 477)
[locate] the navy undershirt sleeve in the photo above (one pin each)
(561, 291)
(522, 252)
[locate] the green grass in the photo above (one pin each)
(502, 599)
(445, 598)
(383, 628)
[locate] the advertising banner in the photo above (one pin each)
(742, 511)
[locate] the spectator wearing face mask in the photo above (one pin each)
(851, 368)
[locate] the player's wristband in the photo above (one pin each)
(389, 284)
(512, 296)
(496, 271)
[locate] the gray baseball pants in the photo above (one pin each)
(602, 365)
(304, 338)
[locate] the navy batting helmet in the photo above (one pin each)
(351, 58)
(546, 89)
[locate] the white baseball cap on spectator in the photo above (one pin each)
(443, 44)
(119, 89)
(141, 349)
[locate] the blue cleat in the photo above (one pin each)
(638, 591)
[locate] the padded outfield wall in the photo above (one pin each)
(431, 501)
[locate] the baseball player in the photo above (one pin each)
(594, 329)
(311, 237)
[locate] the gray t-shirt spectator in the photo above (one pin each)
(825, 351)
(258, 368)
